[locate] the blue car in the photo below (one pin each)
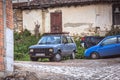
(54, 47)
(109, 46)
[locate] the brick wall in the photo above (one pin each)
(1, 38)
(3, 34)
(9, 14)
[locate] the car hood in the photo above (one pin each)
(93, 48)
(44, 46)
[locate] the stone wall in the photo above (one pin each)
(18, 20)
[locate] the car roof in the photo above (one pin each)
(63, 33)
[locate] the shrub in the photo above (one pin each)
(80, 51)
(22, 41)
(114, 31)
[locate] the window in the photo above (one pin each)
(109, 41)
(64, 40)
(50, 40)
(116, 14)
(118, 39)
(69, 40)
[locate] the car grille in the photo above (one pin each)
(42, 51)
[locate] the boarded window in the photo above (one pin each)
(116, 14)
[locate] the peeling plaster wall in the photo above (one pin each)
(31, 18)
(79, 20)
(103, 17)
(83, 19)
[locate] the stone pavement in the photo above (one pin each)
(102, 69)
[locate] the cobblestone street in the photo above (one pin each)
(101, 69)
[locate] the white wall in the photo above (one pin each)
(30, 18)
(9, 50)
(80, 20)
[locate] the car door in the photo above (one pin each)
(118, 45)
(65, 48)
(108, 47)
(70, 45)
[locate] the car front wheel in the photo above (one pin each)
(33, 59)
(95, 55)
(51, 59)
(57, 57)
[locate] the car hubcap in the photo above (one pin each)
(73, 55)
(58, 57)
(94, 56)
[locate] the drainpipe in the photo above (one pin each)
(43, 21)
(4, 18)
(4, 23)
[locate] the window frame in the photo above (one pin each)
(69, 38)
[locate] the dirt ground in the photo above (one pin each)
(78, 69)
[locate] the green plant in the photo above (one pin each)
(80, 52)
(113, 31)
(22, 41)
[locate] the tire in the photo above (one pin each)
(33, 59)
(57, 57)
(72, 56)
(94, 55)
(51, 59)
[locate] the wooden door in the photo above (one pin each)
(56, 22)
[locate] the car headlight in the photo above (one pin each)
(31, 50)
(50, 50)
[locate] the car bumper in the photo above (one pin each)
(40, 55)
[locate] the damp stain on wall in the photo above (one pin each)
(77, 24)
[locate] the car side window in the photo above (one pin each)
(109, 41)
(69, 39)
(64, 39)
(118, 39)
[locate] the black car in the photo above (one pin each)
(89, 41)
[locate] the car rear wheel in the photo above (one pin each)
(57, 57)
(95, 55)
(72, 56)
(33, 59)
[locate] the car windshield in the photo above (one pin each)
(50, 40)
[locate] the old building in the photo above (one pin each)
(6, 37)
(79, 17)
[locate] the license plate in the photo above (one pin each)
(40, 54)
